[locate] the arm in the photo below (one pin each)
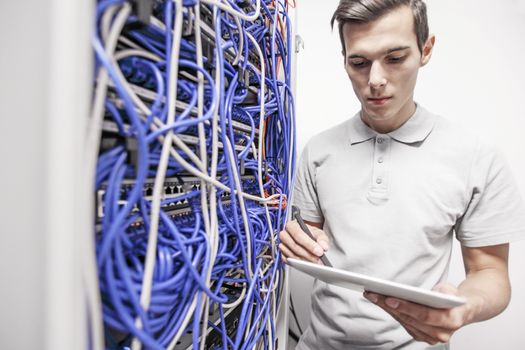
(295, 243)
(487, 285)
(486, 289)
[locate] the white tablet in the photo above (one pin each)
(359, 282)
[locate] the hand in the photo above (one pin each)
(295, 243)
(424, 323)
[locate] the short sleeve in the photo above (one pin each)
(305, 192)
(495, 213)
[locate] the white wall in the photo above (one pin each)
(22, 260)
(475, 76)
(45, 65)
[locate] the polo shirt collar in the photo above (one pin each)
(359, 131)
(415, 129)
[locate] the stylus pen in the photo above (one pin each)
(296, 214)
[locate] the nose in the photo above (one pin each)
(377, 76)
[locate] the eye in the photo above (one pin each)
(359, 63)
(395, 59)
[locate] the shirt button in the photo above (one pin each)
(379, 140)
(379, 181)
(380, 160)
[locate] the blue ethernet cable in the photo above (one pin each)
(160, 324)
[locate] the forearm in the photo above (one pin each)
(487, 290)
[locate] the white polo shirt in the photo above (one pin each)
(390, 204)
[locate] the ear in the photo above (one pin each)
(427, 49)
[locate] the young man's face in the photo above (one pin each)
(382, 60)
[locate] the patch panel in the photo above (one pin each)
(173, 188)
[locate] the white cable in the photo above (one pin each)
(135, 52)
(238, 301)
(157, 123)
(229, 150)
(283, 74)
(226, 147)
(201, 132)
(214, 155)
(200, 171)
(93, 135)
(241, 41)
(208, 211)
(158, 23)
(149, 266)
(261, 111)
(105, 23)
(129, 43)
(259, 158)
(188, 167)
(97, 113)
(269, 330)
(215, 117)
(261, 128)
(239, 14)
(283, 99)
(145, 109)
(183, 325)
(291, 149)
(200, 127)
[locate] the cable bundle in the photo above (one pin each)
(195, 118)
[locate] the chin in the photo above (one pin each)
(379, 117)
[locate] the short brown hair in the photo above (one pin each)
(363, 11)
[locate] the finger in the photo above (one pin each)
(419, 312)
(414, 331)
(320, 236)
(301, 238)
(295, 249)
(440, 334)
(443, 318)
(286, 253)
(418, 335)
(373, 297)
(436, 333)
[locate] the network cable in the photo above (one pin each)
(193, 120)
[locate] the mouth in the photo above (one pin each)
(378, 101)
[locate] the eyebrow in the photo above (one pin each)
(394, 49)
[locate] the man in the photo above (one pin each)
(385, 192)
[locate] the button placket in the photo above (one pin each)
(379, 183)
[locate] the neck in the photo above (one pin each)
(385, 126)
